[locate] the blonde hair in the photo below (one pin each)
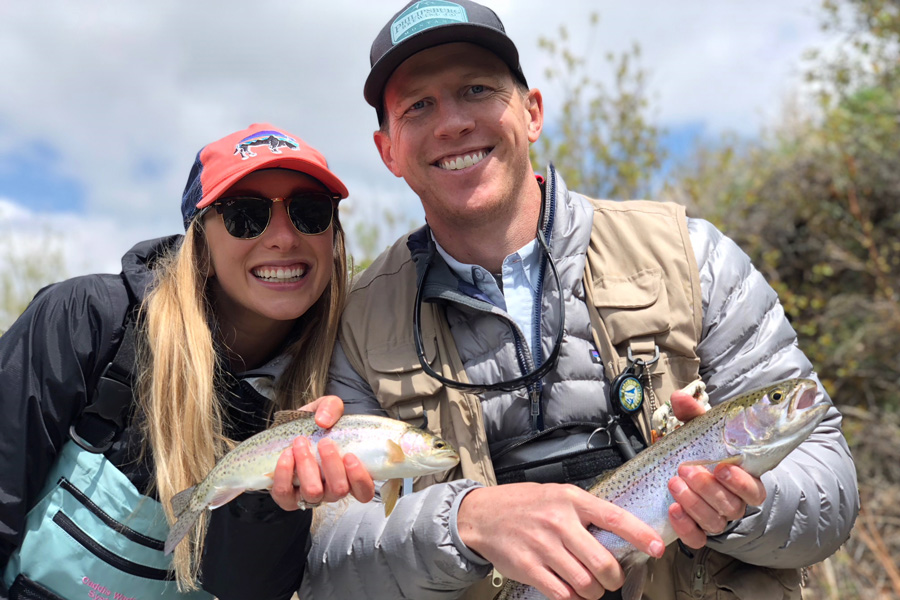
(182, 412)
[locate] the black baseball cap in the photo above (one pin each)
(423, 24)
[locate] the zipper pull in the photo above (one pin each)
(535, 408)
(699, 581)
(496, 578)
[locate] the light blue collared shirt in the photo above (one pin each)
(519, 280)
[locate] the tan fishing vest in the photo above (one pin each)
(642, 279)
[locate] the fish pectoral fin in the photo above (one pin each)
(286, 416)
(181, 500)
(635, 578)
(224, 496)
(731, 460)
(395, 452)
(390, 493)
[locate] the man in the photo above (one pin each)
(503, 325)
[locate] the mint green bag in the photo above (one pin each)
(92, 536)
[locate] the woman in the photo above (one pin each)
(184, 354)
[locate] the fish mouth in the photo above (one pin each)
(804, 399)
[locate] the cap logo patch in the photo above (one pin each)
(425, 15)
(275, 140)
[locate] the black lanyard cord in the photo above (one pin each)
(510, 385)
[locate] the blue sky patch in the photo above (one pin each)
(31, 177)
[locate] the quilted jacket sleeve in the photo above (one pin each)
(812, 498)
(372, 553)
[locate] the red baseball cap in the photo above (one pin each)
(222, 163)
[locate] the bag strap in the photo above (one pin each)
(103, 419)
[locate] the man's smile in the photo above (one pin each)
(461, 161)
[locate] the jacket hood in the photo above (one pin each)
(138, 263)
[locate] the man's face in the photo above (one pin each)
(458, 131)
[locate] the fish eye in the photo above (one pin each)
(776, 396)
(440, 445)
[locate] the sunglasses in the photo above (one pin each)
(247, 217)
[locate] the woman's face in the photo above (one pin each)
(265, 283)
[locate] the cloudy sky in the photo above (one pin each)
(104, 104)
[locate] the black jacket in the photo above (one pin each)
(50, 361)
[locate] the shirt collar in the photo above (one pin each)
(528, 254)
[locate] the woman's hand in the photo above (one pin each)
(299, 481)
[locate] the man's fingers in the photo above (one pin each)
(696, 506)
(602, 572)
(566, 576)
(628, 527)
(713, 493)
(549, 584)
(685, 528)
(742, 484)
(685, 407)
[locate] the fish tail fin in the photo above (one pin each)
(181, 528)
(181, 500)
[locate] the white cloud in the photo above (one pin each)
(83, 244)
(127, 92)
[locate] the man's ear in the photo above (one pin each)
(385, 147)
(534, 105)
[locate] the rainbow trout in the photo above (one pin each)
(388, 449)
(755, 430)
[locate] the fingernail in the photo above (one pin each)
(323, 416)
(657, 549)
(677, 486)
(723, 474)
(351, 461)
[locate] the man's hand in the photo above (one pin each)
(298, 477)
(705, 502)
(537, 534)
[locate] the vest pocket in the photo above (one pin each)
(632, 306)
(398, 377)
(711, 575)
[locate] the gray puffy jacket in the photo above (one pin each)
(812, 497)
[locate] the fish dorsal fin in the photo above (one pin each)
(390, 493)
(286, 416)
(395, 452)
(181, 500)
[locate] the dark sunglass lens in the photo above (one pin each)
(311, 213)
(246, 217)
